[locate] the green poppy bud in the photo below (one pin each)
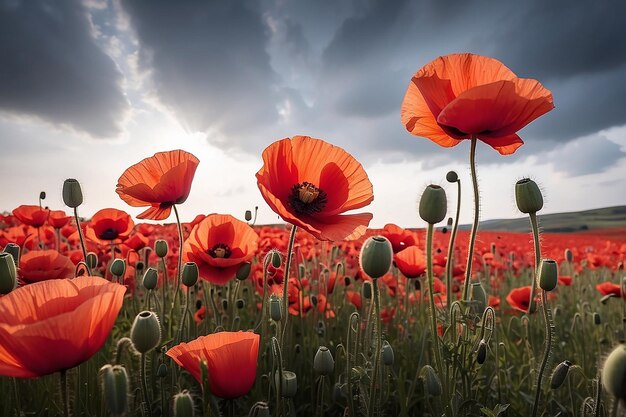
(481, 352)
(433, 204)
(162, 370)
(313, 299)
(92, 260)
(244, 271)
(240, 303)
(323, 364)
(183, 405)
(8, 273)
(118, 267)
(276, 259)
(150, 279)
(289, 384)
(376, 256)
(450, 222)
(431, 381)
(569, 255)
(275, 309)
(614, 373)
(161, 248)
(145, 332)
(72, 193)
(301, 271)
(190, 274)
(452, 176)
(528, 196)
(597, 320)
(559, 374)
(479, 298)
(548, 274)
(42, 195)
(13, 250)
(115, 389)
(248, 215)
(387, 354)
(367, 290)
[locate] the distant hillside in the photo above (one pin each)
(603, 218)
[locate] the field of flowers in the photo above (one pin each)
(322, 316)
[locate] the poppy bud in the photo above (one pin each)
(274, 258)
(376, 256)
(92, 260)
(481, 352)
(597, 320)
(42, 195)
(240, 303)
(431, 380)
(479, 298)
(160, 248)
(275, 309)
(259, 409)
(452, 176)
(115, 389)
(387, 354)
(183, 405)
(323, 364)
(614, 373)
(118, 267)
(244, 271)
(528, 196)
(301, 271)
(450, 222)
(492, 249)
(8, 273)
(190, 274)
(313, 299)
(548, 274)
(367, 290)
(225, 304)
(162, 370)
(433, 204)
(72, 193)
(559, 374)
(346, 281)
(289, 384)
(145, 332)
(150, 279)
(569, 255)
(13, 250)
(248, 215)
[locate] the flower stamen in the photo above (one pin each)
(306, 198)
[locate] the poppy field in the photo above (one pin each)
(323, 315)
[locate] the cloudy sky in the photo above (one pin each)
(87, 88)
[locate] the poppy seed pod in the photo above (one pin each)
(248, 215)
(479, 298)
(367, 290)
(452, 176)
(244, 271)
(376, 256)
(162, 370)
(160, 248)
(13, 250)
(559, 374)
(569, 255)
(431, 380)
(92, 260)
(190, 274)
(433, 204)
(118, 267)
(146, 332)
(481, 352)
(597, 319)
(115, 389)
(323, 364)
(8, 273)
(289, 384)
(275, 309)
(42, 195)
(548, 274)
(528, 196)
(150, 279)
(276, 259)
(387, 354)
(183, 405)
(72, 193)
(614, 373)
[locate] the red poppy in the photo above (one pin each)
(400, 238)
(608, 288)
(58, 219)
(109, 226)
(461, 96)
(55, 325)
(219, 244)
(231, 359)
(309, 183)
(411, 262)
(41, 265)
(565, 280)
(354, 298)
(159, 181)
(31, 215)
(519, 298)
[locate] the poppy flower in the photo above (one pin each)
(411, 262)
(109, 225)
(565, 280)
(399, 238)
(31, 215)
(219, 244)
(608, 288)
(231, 359)
(519, 298)
(159, 181)
(58, 219)
(41, 265)
(461, 96)
(310, 183)
(56, 325)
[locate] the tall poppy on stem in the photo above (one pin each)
(231, 359)
(110, 226)
(467, 96)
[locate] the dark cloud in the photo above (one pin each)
(588, 155)
(209, 63)
(52, 67)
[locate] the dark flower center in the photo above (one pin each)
(109, 234)
(221, 250)
(306, 198)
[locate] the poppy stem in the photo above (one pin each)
(431, 300)
(292, 237)
(449, 263)
(144, 385)
(64, 394)
(378, 348)
(18, 404)
(82, 240)
(179, 265)
(470, 247)
(535, 230)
